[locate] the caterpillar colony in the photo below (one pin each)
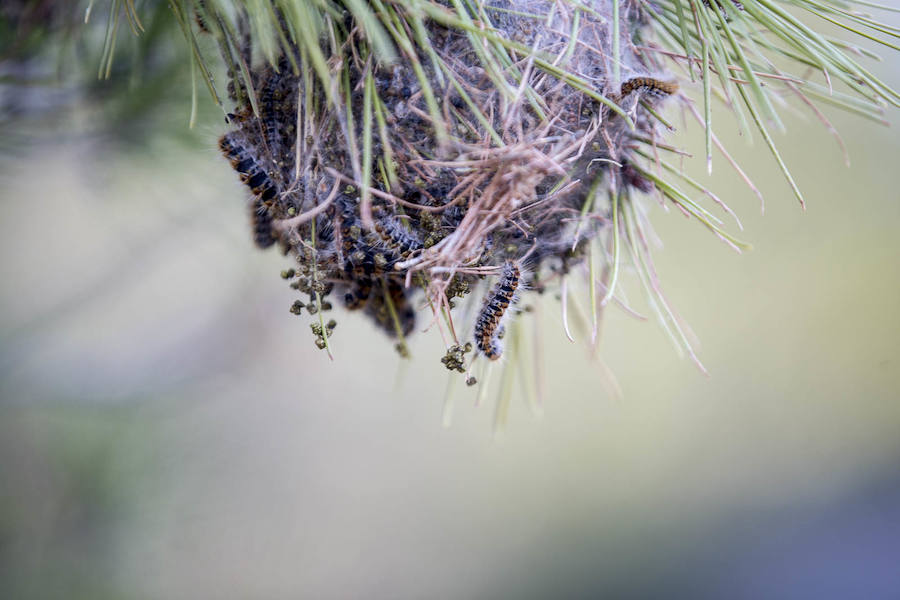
(405, 187)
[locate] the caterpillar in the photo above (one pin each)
(360, 251)
(633, 178)
(405, 313)
(199, 10)
(651, 85)
(379, 311)
(270, 97)
(258, 181)
(366, 260)
(398, 237)
(359, 295)
(488, 324)
(718, 4)
(251, 174)
(261, 225)
(350, 234)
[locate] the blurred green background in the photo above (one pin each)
(168, 429)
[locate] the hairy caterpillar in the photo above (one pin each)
(631, 177)
(271, 96)
(487, 326)
(254, 177)
(261, 224)
(654, 87)
(397, 236)
(251, 174)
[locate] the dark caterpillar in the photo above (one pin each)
(251, 174)
(718, 4)
(367, 261)
(379, 311)
(397, 237)
(372, 294)
(254, 177)
(359, 294)
(261, 225)
(199, 10)
(632, 177)
(487, 326)
(271, 96)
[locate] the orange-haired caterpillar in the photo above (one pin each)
(651, 85)
(487, 326)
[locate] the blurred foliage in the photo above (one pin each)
(54, 84)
